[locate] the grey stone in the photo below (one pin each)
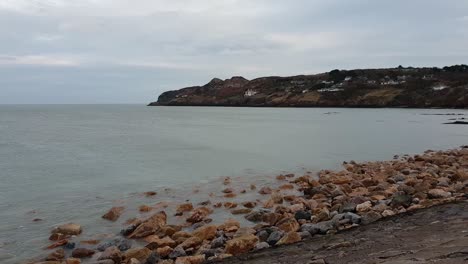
(274, 237)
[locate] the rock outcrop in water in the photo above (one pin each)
(397, 87)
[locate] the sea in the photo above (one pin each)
(71, 163)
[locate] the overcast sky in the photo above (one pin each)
(129, 51)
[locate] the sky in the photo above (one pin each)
(130, 51)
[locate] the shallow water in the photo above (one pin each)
(71, 163)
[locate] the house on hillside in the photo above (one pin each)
(250, 93)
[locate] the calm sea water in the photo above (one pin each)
(71, 163)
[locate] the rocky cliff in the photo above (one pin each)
(396, 87)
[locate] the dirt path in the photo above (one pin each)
(434, 235)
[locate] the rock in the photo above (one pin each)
(274, 237)
(265, 190)
(153, 258)
(218, 242)
(288, 225)
(58, 236)
(277, 198)
(353, 218)
(168, 230)
(164, 251)
(57, 244)
(136, 261)
(72, 261)
(302, 215)
(261, 245)
(281, 177)
(111, 253)
(289, 238)
(145, 208)
(370, 217)
(230, 205)
(150, 226)
(230, 195)
(243, 231)
(364, 207)
(149, 194)
(113, 214)
(438, 194)
(323, 215)
(249, 204)
(161, 242)
(186, 207)
(82, 253)
(387, 213)
(199, 214)
(192, 242)
(57, 255)
(228, 190)
(141, 254)
(68, 229)
(177, 252)
(241, 211)
(166, 261)
(253, 187)
(230, 225)
(312, 229)
(286, 187)
(401, 200)
(181, 236)
(263, 235)
(190, 259)
(305, 235)
(241, 244)
(69, 245)
(205, 232)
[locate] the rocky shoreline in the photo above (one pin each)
(295, 209)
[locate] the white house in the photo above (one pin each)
(250, 93)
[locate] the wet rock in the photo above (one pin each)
(199, 214)
(181, 236)
(68, 229)
(141, 254)
(230, 205)
(274, 237)
(72, 261)
(164, 251)
(241, 244)
(286, 187)
(249, 204)
(438, 194)
(289, 238)
(243, 231)
(69, 245)
(230, 225)
(114, 213)
(82, 253)
(305, 235)
(263, 235)
(149, 194)
(241, 211)
(57, 244)
(149, 226)
(192, 242)
(205, 232)
(57, 255)
(186, 207)
(261, 245)
(58, 236)
(177, 252)
(190, 259)
(230, 195)
(145, 208)
(112, 253)
(302, 215)
(228, 190)
(277, 198)
(265, 190)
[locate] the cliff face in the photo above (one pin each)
(397, 87)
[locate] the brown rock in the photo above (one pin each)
(112, 253)
(287, 187)
(150, 225)
(57, 244)
(241, 211)
(73, 261)
(218, 205)
(228, 190)
(230, 195)
(249, 204)
(364, 207)
(199, 214)
(149, 194)
(114, 213)
(190, 259)
(82, 253)
(141, 254)
(68, 229)
(253, 187)
(145, 208)
(181, 236)
(57, 236)
(281, 177)
(186, 207)
(227, 181)
(230, 205)
(166, 261)
(288, 225)
(241, 244)
(289, 238)
(168, 230)
(230, 225)
(192, 242)
(438, 194)
(277, 198)
(90, 242)
(205, 232)
(265, 190)
(164, 251)
(161, 242)
(57, 255)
